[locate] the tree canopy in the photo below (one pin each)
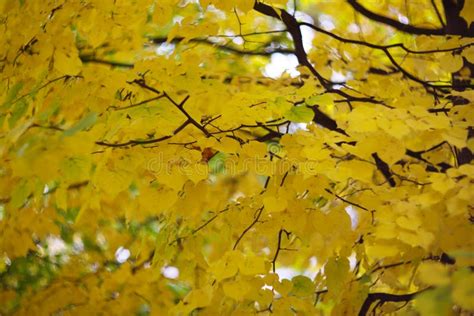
(241, 157)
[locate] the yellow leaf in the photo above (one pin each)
(284, 287)
(336, 270)
(252, 265)
(245, 5)
(227, 266)
(385, 250)
(61, 197)
(274, 204)
(67, 64)
(228, 145)
(112, 182)
(163, 13)
(451, 63)
(433, 273)
(199, 297)
(463, 289)
(467, 12)
(197, 172)
(468, 53)
(434, 302)
(236, 289)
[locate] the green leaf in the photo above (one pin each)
(75, 169)
(217, 163)
(300, 114)
(19, 109)
(281, 106)
(179, 289)
(463, 289)
(20, 194)
(321, 99)
(435, 302)
(12, 95)
(336, 273)
(51, 110)
(85, 123)
(69, 215)
(302, 286)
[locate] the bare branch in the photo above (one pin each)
(265, 51)
(386, 297)
(279, 248)
(407, 28)
(136, 142)
(255, 220)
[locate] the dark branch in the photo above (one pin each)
(255, 220)
(455, 24)
(324, 120)
(179, 106)
(384, 169)
(295, 32)
(117, 108)
(347, 201)
(386, 50)
(266, 51)
(407, 28)
(438, 14)
(386, 297)
(294, 29)
(279, 248)
(210, 220)
(94, 60)
(136, 142)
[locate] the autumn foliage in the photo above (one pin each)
(155, 160)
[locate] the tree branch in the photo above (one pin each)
(135, 142)
(255, 220)
(266, 51)
(324, 120)
(293, 28)
(386, 297)
(179, 106)
(384, 169)
(295, 32)
(438, 14)
(348, 202)
(210, 220)
(407, 28)
(277, 252)
(386, 50)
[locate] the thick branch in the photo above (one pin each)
(293, 28)
(456, 25)
(324, 120)
(94, 60)
(384, 169)
(407, 28)
(295, 32)
(386, 297)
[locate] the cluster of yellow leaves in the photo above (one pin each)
(112, 147)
